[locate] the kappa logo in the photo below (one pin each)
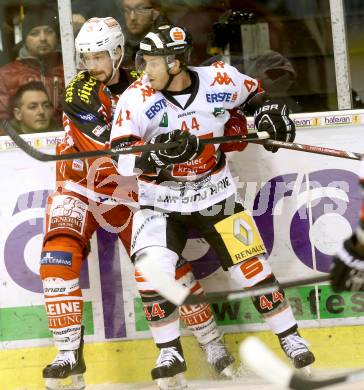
(218, 64)
(222, 79)
(147, 92)
(135, 84)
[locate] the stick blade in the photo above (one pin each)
(169, 288)
(265, 363)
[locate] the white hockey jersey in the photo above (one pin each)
(143, 113)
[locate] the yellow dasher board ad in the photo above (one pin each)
(241, 237)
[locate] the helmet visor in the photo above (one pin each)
(96, 59)
(139, 62)
(145, 62)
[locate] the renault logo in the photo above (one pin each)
(243, 232)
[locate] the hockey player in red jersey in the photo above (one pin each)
(90, 193)
(191, 184)
(347, 270)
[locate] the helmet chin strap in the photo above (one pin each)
(114, 68)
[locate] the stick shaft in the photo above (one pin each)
(44, 157)
(311, 149)
(254, 291)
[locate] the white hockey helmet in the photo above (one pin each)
(100, 34)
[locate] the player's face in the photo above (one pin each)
(138, 16)
(41, 41)
(34, 112)
(157, 71)
(99, 65)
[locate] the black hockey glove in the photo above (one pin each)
(273, 118)
(347, 268)
(188, 148)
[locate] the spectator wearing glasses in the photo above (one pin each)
(140, 17)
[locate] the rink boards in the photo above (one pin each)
(304, 205)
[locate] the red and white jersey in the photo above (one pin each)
(143, 113)
(88, 109)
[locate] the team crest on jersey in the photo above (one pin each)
(218, 111)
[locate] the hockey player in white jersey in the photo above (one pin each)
(191, 185)
(100, 46)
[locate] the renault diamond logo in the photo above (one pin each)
(243, 232)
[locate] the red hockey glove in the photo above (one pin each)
(236, 125)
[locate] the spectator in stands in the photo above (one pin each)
(279, 79)
(38, 59)
(140, 17)
(31, 109)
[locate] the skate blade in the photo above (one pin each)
(177, 382)
(228, 372)
(306, 370)
(73, 382)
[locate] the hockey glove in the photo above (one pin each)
(347, 269)
(273, 118)
(236, 125)
(188, 148)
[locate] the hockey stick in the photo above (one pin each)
(253, 291)
(268, 366)
(258, 138)
(174, 292)
(45, 157)
(311, 149)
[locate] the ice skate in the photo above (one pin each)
(296, 348)
(66, 371)
(168, 372)
(219, 357)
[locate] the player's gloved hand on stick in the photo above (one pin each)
(347, 269)
(273, 118)
(188, 148)
(236, 125)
